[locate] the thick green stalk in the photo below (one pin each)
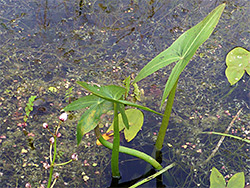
(165, 119)
(116, 144)
(128, 151)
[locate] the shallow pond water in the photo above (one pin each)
(46, 45)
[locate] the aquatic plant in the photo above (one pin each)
(217, 180)
(29, 108)
(53, 151)
(182, 50)
(238, 62)
(102, 99)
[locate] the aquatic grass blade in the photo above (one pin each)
(229, 135)
(182, 50)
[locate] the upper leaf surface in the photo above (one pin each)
(81, 103)
(110, 92)
(217, 179)
(237, 61)
(183, 48)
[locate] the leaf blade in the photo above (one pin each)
(183, 49)
(91, 117)
(237, 61)
(216, 179)
(237, 181)
(110, 92)
(81, 103)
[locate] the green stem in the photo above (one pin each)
(153, 176)
(52, 164)
(128, 151)
(165, 119)
(61, 164)
(116, 144)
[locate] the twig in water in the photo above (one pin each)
(222, 138)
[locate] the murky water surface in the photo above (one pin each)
(46, 45)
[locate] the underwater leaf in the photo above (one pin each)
(81, 103)
(237, 61)
(135, 121)
(182, 50)
(110, 92)
(32, 99)
(91, 117)
(216, 179)
(29, 107)
(237, 181)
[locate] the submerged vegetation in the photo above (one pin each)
(47, 46)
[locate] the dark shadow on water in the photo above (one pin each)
(135, 171)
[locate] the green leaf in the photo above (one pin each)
(237, 61)
(182, 50)
(138, 106)
(81, 103)
(237, 181)
(216, 179)
(137, 92)
(110, 92)
(135, 120)
(91, 117)
(32, 99)
(27, 109)
(121, 108)
(127, 85)
(25, 118)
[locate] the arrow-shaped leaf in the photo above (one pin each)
(91, 117)
(182, 50)
(81, 103)
(110, 92)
